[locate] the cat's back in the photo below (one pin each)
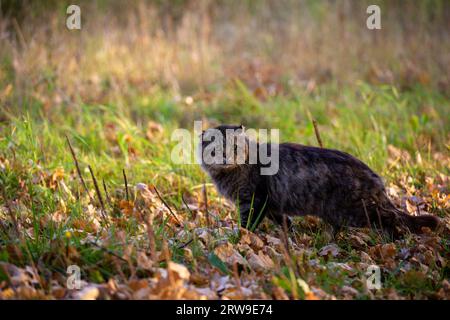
(313, 172)
(321, 160)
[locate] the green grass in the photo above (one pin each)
(362, 120)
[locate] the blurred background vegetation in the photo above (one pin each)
(188, 47)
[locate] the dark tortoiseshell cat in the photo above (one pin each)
(327, 183)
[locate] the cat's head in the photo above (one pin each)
(223, 147)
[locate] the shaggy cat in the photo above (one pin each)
(331, 184)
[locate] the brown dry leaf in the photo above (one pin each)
(331, 249)
(255, 242)
(199, 279)
(126, 207)
(349, 292)
(386, 251)
(206, 293)
(250, 241)
(111, 286)
(279, 293)
(178, 271)
(133, 152)
(392, 294)
(396, 154)
(18, 276)
(358, 239)
(389, 251)
(55, 177)
(87, 293)
(58, 292)
(142, 294)
(154, 130)
(171, 283)
(229, 255)
(321, 294)
(444, 292)
(30, 293)
(143, 261)
(6, 91)
(138, 284)
(312, 221)
(260, 262)
(413, 277)
(411, 207)
(365, 258)
(273, 242)
(127, 137)
(204, 235)
(311, 296)
(7, 293)
(110, 132)
(235, 293)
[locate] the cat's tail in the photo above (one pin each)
(416, 223)
(393, 218)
